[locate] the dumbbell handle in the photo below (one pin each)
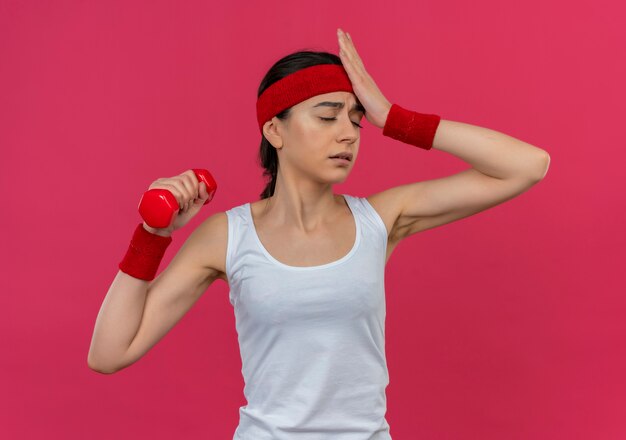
(158, 206)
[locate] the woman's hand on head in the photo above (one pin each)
(376, 105)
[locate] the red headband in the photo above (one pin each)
(299, 86)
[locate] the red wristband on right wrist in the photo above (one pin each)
(144, 254)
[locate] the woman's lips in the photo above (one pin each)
(341, 161)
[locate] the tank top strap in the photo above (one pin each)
(370, 218)
(238, 230)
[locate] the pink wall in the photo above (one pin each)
(507, 324)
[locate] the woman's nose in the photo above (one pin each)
(348, 127)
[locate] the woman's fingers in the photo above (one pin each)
(365, 89)
(346, 58)
(184, 188)
(349, 50)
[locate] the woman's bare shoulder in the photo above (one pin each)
(212, 236)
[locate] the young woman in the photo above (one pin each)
(305, 266)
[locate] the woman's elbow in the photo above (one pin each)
(99, 367)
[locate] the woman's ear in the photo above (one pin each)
(270, 131)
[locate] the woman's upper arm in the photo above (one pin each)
(198, 263)
(414, 207)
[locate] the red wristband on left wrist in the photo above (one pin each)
(411, 127)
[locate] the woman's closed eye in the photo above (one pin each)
(334, 119)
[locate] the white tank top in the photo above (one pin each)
(312, 339)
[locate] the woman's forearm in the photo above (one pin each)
(117, 322)
(491, 152)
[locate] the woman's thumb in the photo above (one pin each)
(204, 194)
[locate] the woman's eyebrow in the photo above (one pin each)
(339, 105)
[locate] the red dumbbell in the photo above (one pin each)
(158, 206)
